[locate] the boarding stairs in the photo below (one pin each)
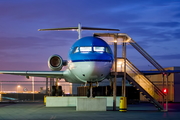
(147, 56)
(134, 76)
(137, 79)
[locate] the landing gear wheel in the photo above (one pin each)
(94, 93)
(88, 93)
(59, 91)
(53, 92)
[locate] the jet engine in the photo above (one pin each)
(55, 62)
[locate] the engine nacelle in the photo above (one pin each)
(55, 62)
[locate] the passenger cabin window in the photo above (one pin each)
(99, 49)
(85, 49)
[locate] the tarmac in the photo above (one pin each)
(38, 111)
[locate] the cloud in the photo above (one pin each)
(32, 49)
(31, 42)
(154, 25)
(167, 24)
(177, 15)
(167, 57)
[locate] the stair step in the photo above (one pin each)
(146, 94)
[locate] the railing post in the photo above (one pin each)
(167, 91)
(115, 76)
(163, 88)
(123, 99)
(124, 79)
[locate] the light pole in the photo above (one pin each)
(18, 87)
(1, 93)
(17, 90)
(1, 87)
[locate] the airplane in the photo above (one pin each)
(90, 60)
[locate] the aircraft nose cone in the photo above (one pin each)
(92, 71)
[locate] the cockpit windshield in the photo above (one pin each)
(85, 49)
(76, 50)
(97, 49)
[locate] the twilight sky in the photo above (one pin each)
(153, 24)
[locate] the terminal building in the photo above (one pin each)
(173, 84)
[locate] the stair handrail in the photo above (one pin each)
(146, 55)
(136, 71)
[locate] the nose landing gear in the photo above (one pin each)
(91, 93)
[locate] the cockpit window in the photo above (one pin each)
(107, 50)
(76, 50)
(85, 49)
(90, 49)
(99, 49)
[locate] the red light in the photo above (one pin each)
(164, 90)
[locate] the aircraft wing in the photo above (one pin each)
(49, 74)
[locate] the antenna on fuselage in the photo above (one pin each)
(78, 29)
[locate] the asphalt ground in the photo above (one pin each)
(37, 111)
